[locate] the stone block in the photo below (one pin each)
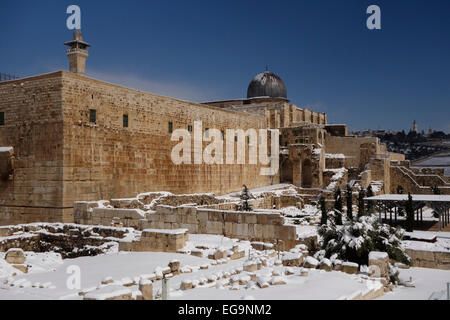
(325, 264)
(350, 267)
(15, 256)
(21, 267)
(146, 288)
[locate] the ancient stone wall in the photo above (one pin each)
(61, 156)
(430, 259)
(351, 147)
(413, 182)
(33, 127)
(105, 160)
(158, 240)
(266, 226)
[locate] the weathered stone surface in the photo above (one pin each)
(276, 281)
(292, 260)
(337, 265)
(174, 266)
(430, 259)
(379, 264)
(311, 263)
(21, 267)
(250, 266)
(350, 267)
(15, 256)
(325, 264)
(146, 288)
(186, 285)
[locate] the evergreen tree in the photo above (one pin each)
(361, 205)
(399, 189)
(338, 206)
(323, 208)
(409, 208)
(435, 190)
(369, 203)
(348, 194)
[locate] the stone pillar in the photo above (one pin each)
(165, 289)
(146, 287)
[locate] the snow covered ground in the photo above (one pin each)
(47, 278)
(426, 281)
(317, 285)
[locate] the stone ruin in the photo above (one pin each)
(73, 240)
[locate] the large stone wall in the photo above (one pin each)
(61, 157)
(357, 151)
(105, 160)
(33, 127)
(262, 226)
(430, 259)
(416, 181)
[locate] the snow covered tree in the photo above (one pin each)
(361, 204)
(369, 203)
(399, 189)
(349, 200)
(323, 209)
(355, 239)
(338, 207)
(409, 208)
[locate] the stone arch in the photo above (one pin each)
(307, 175)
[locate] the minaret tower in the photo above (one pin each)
(415, 127)
(77, 53)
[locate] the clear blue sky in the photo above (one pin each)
(204, 50)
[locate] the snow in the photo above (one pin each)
(334, 156)
(338, 174)
(3, 149)
(349, 264)
(375, 255)
(167, 231)
(108, 292)
(441, 245)
(306, 231)
(317, 151)
(426, 281)
(49, 272)
(415, 197)
(317, 285)
(312, 261)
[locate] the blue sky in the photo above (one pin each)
(210, 50)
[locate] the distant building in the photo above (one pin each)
(415, 127)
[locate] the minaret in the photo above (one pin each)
(77, 53)
(415, 127)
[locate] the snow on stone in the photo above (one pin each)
(338, 174)
(167, 231)
(441, 245)
(375, 255)
(334, 156)
(108, 292)
(311, 261)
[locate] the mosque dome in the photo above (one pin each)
(266, 84)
